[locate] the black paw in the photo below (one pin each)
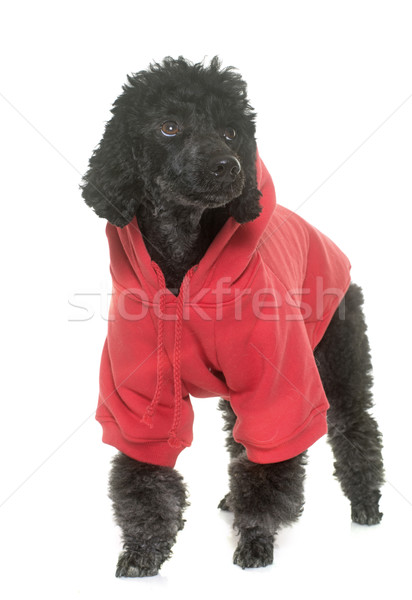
(367, 514)
(257, 552)
(134, 563)
(224, 503)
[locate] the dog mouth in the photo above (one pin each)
(214, 194)
(211, 183)
(220, 182)
(221, 196)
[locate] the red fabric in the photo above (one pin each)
(243, 327)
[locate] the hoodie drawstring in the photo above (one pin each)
(147, 418)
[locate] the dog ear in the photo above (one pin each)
(111, 183)
(246, 207)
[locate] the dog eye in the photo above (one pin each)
(230, 133)
(170, 128)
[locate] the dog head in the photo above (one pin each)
(181, 133)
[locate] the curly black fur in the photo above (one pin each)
(169, 182)
(345, 366)
(173, 185)
(148, 503)
(263, 498)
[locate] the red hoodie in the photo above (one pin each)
(243, 327)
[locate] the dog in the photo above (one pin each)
(176, 176)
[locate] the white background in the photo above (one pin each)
(331, 83)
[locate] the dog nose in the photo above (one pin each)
(226, 168)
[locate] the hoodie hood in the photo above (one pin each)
(234, 246)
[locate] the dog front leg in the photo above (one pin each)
(148, 502)
(263, 498)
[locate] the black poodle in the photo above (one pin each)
(169, 122)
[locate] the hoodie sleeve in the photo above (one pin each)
(275, 389)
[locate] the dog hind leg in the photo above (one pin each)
(344, 363)
(148, 502)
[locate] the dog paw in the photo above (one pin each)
(224, 503)
(257, 552)
(367, 514)
(133, 563)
